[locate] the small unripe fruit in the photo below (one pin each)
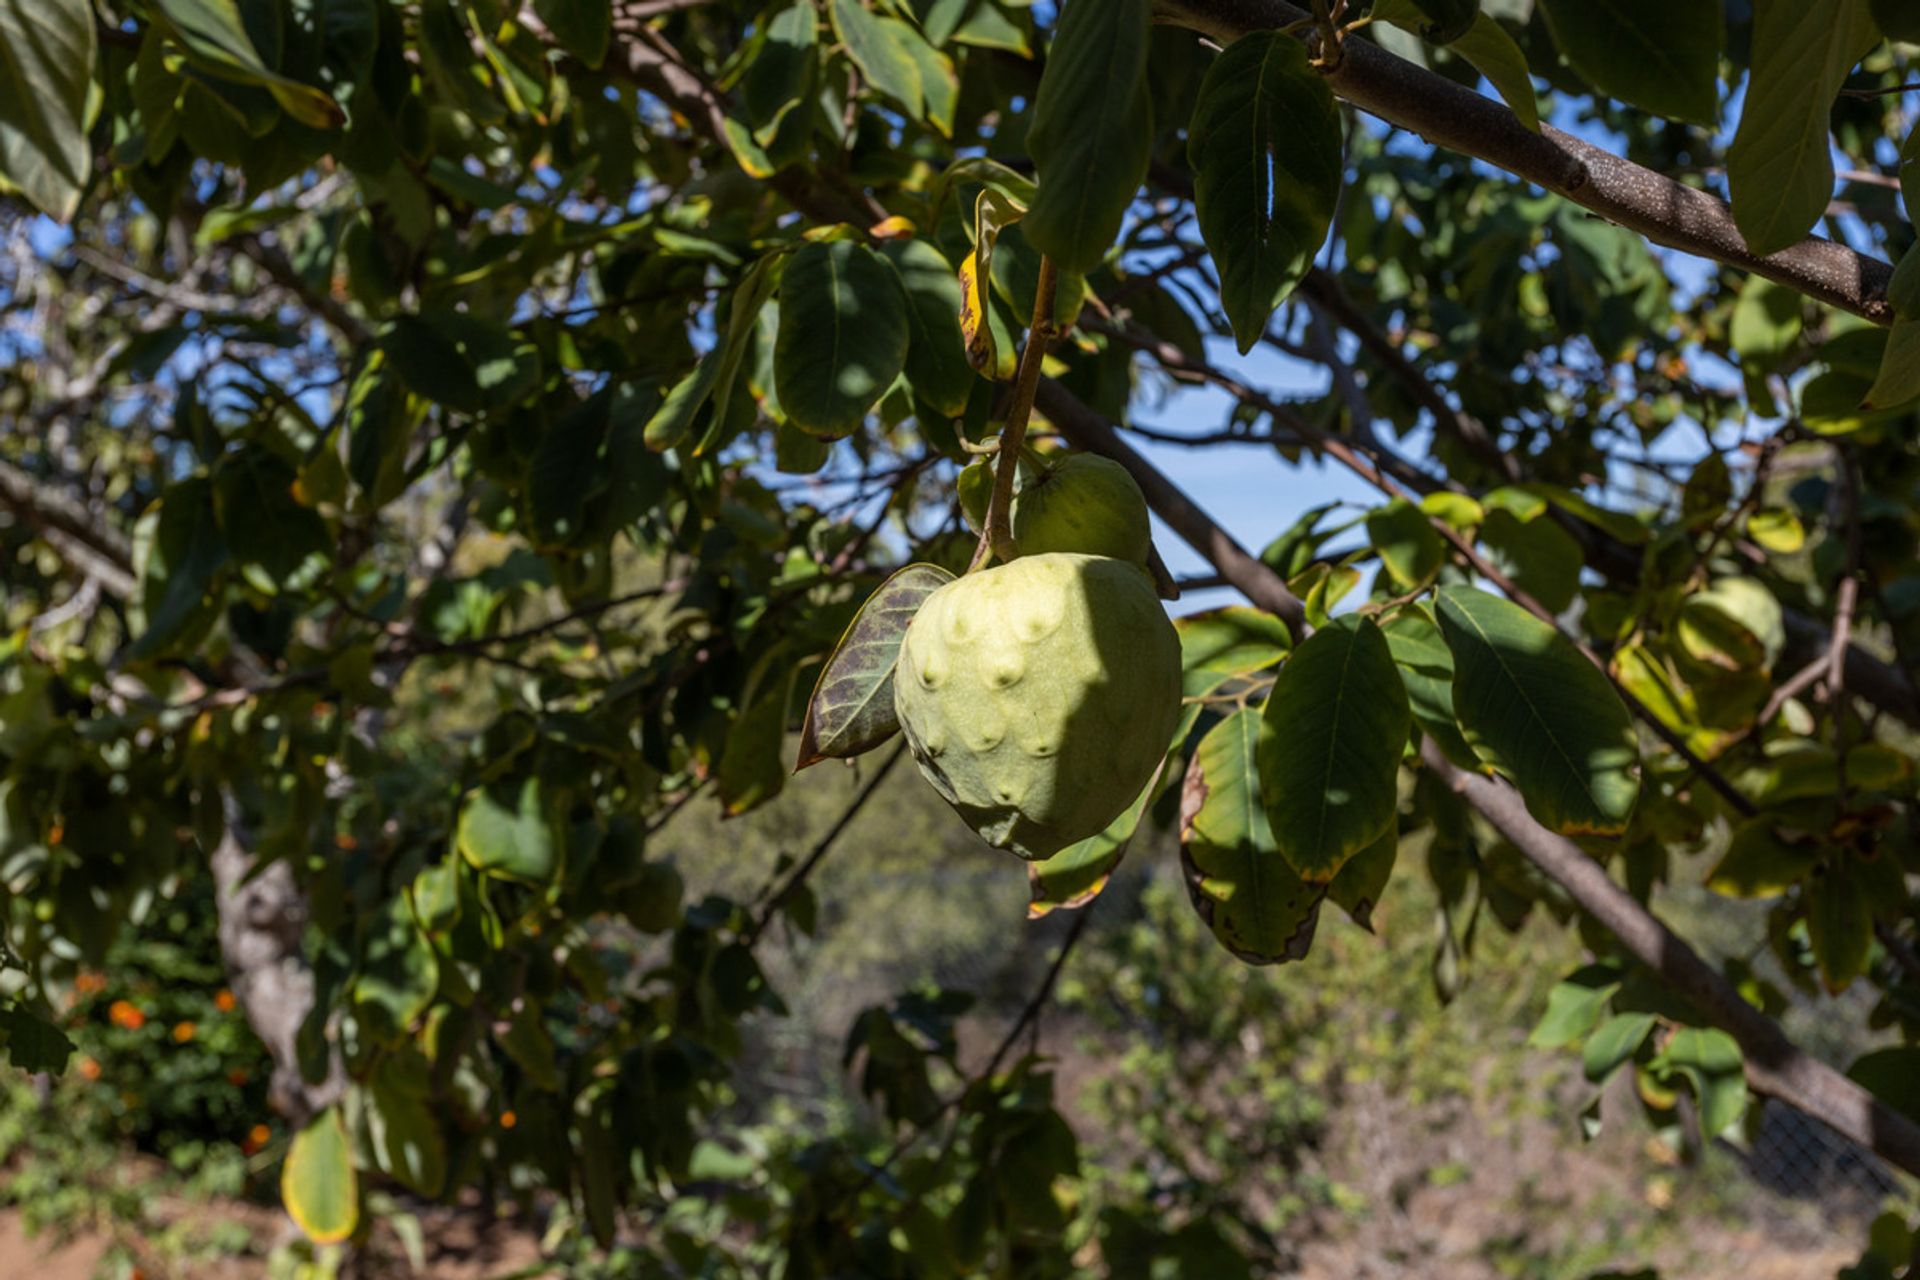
(1038, 697)
(1085, 504)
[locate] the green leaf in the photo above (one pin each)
(178, 553)
(1575, 1006)
(1494, 55)
(1534, 708)
(1092, 131)
(46, 70)
(1407, 543)
(1660, 55)
(1736, 624)
(1234, 640)
(1780, 166)
(1899, 379)
(1617, 1040)
(1709, 1060)
(215, 35)
(1265, 148)
(851, 710)
(673, 422)
(1839, 925)
(318, 1184)
(1761, 861)
(879, 47)
(1777, 529)
(1767, 319)
(1357, 887)
(1256, 905)
(464, 362)
(1334, 728)
(398, 972)
(268, 532)
(584, 28)
(744, 314)
(1897, 19)
(1540, 557)
(33, 1044)
(1426, 669)
(407, 1142)
(937, 363)
(844, 332)
(1891, 1075)
(750, 771)
(506, 831)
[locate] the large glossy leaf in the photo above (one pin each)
(215, 34)
(1257, 906)
(937, 364)
(1534, 708)
(46, 64)
(1780, 166)
(844, 332)
(1764, 860)
(851, 710)
(318, 1184)
(32, 1043)
(1661, 55)
(1613, 1043)
(1767, 319)
(1265, 148)
(1092, 130)
(505, 830)
(1891, 1075)
(1333, 731)
(1897, 19)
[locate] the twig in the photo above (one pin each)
(798, 877)
(1845, 597)
(996, 539)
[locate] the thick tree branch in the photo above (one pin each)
(1774, 1065)
(1453, 116)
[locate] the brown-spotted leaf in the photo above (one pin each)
(1256, 904)
(851, 709)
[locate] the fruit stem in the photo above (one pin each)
(996, 539)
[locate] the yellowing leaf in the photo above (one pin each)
(318, 1184)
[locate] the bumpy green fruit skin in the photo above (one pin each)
(1086, 504)
(1038, 697)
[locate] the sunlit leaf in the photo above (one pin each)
(1533, 707)
(1333, 730)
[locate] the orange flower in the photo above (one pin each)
(237, 1078)
(508, 1120)
(183, 1032)
(123, 1014)
(224, 1001)
(346, 840)
(88, 984)
(89, 1069)
(257, 1137)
